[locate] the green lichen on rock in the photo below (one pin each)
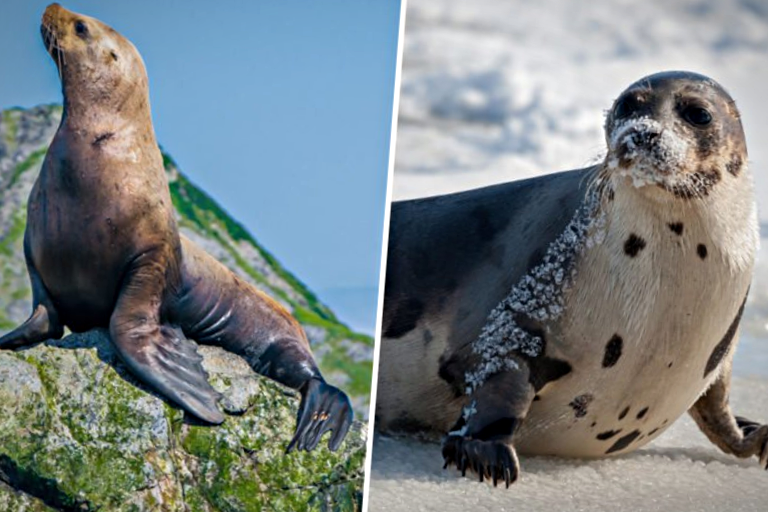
(77, 432)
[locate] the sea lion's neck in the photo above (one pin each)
(104, 118)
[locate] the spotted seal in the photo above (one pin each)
(103, 249)
(579, 314)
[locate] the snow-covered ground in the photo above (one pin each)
(495, 90)
(679, 472)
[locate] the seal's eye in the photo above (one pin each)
(625, 107)
(81, 28)
(697, 116)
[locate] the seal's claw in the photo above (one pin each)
(754, 441)
(494, 460)
(323, 408)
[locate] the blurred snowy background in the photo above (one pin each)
(496, 90)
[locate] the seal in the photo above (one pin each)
(578, 314)
(103, 249)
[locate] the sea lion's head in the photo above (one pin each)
(676, 130)
(98, 66)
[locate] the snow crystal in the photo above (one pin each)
(538, 295)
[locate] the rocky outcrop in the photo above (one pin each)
(79, 433)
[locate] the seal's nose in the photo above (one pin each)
(644, 138)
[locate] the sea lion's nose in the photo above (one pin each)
(49, 15)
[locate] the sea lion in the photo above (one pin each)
(579, 314)
(103, 249)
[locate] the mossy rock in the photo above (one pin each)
(77, 432)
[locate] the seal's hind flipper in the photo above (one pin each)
(323, 408)
(168, 362)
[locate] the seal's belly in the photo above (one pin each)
(644, 334)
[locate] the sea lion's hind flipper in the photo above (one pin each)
(168, 362)
(323, 408)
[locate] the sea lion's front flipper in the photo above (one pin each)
(323, 408)
(43, 323)
(481, 440)
(739, 436)
(160, 355)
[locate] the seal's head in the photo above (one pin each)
(677, 130)
(98, 66)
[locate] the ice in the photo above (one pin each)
(680, 471)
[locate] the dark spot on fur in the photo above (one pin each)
(724, 346)
(653, 431)
(114, 55)
(706, 141)
(536, 398)
(676, 227)
(624, 413)
(594, 424)
(611, 194)
(603, 436)
(102, 138)
(499, 429)
(546, 369)
(451, 371)
(642, 413)
(665, 422)
(633, 245)
(404, 319)
(623, 442)
(670, 364)
(428, 337)
(542, 369)
(701, 250)
(734, 165)
(580, 404)
(613, 351)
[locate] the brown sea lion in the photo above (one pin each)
(103, 249)
(579, 314)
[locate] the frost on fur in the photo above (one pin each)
(657, 154)
(538, 295)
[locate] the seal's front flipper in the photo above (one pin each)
(323, 408)
(40, 326)
(736, 435)
(159, 355)
(481, 440)
(494, 460)
(163, 358)
(43, 323)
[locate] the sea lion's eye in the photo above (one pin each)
(81, 28)
(697, 116)
(625, 107)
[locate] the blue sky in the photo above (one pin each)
(281, 110)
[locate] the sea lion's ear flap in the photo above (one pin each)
(169, 363)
